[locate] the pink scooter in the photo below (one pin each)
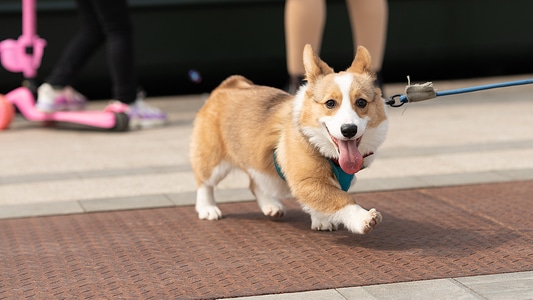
(24, 55)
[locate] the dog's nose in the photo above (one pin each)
(349, 130)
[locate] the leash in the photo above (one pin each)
(426, 91)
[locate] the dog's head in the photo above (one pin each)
(342, 114)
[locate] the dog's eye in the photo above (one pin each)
(330, 104)
(361, 103)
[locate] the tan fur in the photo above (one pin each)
(242, 124)
(220, 129)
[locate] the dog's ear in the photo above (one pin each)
(361, 62)
(314, 66)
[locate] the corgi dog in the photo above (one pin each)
(307, 146)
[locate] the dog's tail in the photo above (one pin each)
(236, 82)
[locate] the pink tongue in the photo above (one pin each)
(350, 159)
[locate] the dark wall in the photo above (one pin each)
(428, 40)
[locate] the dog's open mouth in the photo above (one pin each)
(350, 159)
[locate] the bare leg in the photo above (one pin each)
(304, 24)
(369, 27)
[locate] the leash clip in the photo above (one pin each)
(395, 101)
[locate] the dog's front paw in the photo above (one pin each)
(273, 210)
(357, 219)
(208, 213)
(371, 221)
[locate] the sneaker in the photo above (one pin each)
(143, 115)
(50, 99)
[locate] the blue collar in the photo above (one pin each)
(343, 178)
(278, 168)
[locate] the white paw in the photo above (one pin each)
(273, 210)
(355, 218)
(208, 213)
(323, 225)
(369, 222)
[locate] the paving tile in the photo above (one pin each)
(233, 195)
(182, 199)
(221, 196)
(147, 170)
(39, 209)
(408, 167)
(37, 177)
(312, 295)
(435, 289)
(387, 184)
(462, 178)
(356, 293)
(518, 174)
(96, 188)
(490, 160)
(501, 286)
(135, 202)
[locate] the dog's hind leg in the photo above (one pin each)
(205, 197)
(270, 206)
(269, 203)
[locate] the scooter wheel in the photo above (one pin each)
(7, 112)
(122, 122)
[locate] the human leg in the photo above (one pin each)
(368, 19)
(304, 24)
(116, 25)
(56, 93)
(80, 48)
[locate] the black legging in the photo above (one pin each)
(101, 21)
